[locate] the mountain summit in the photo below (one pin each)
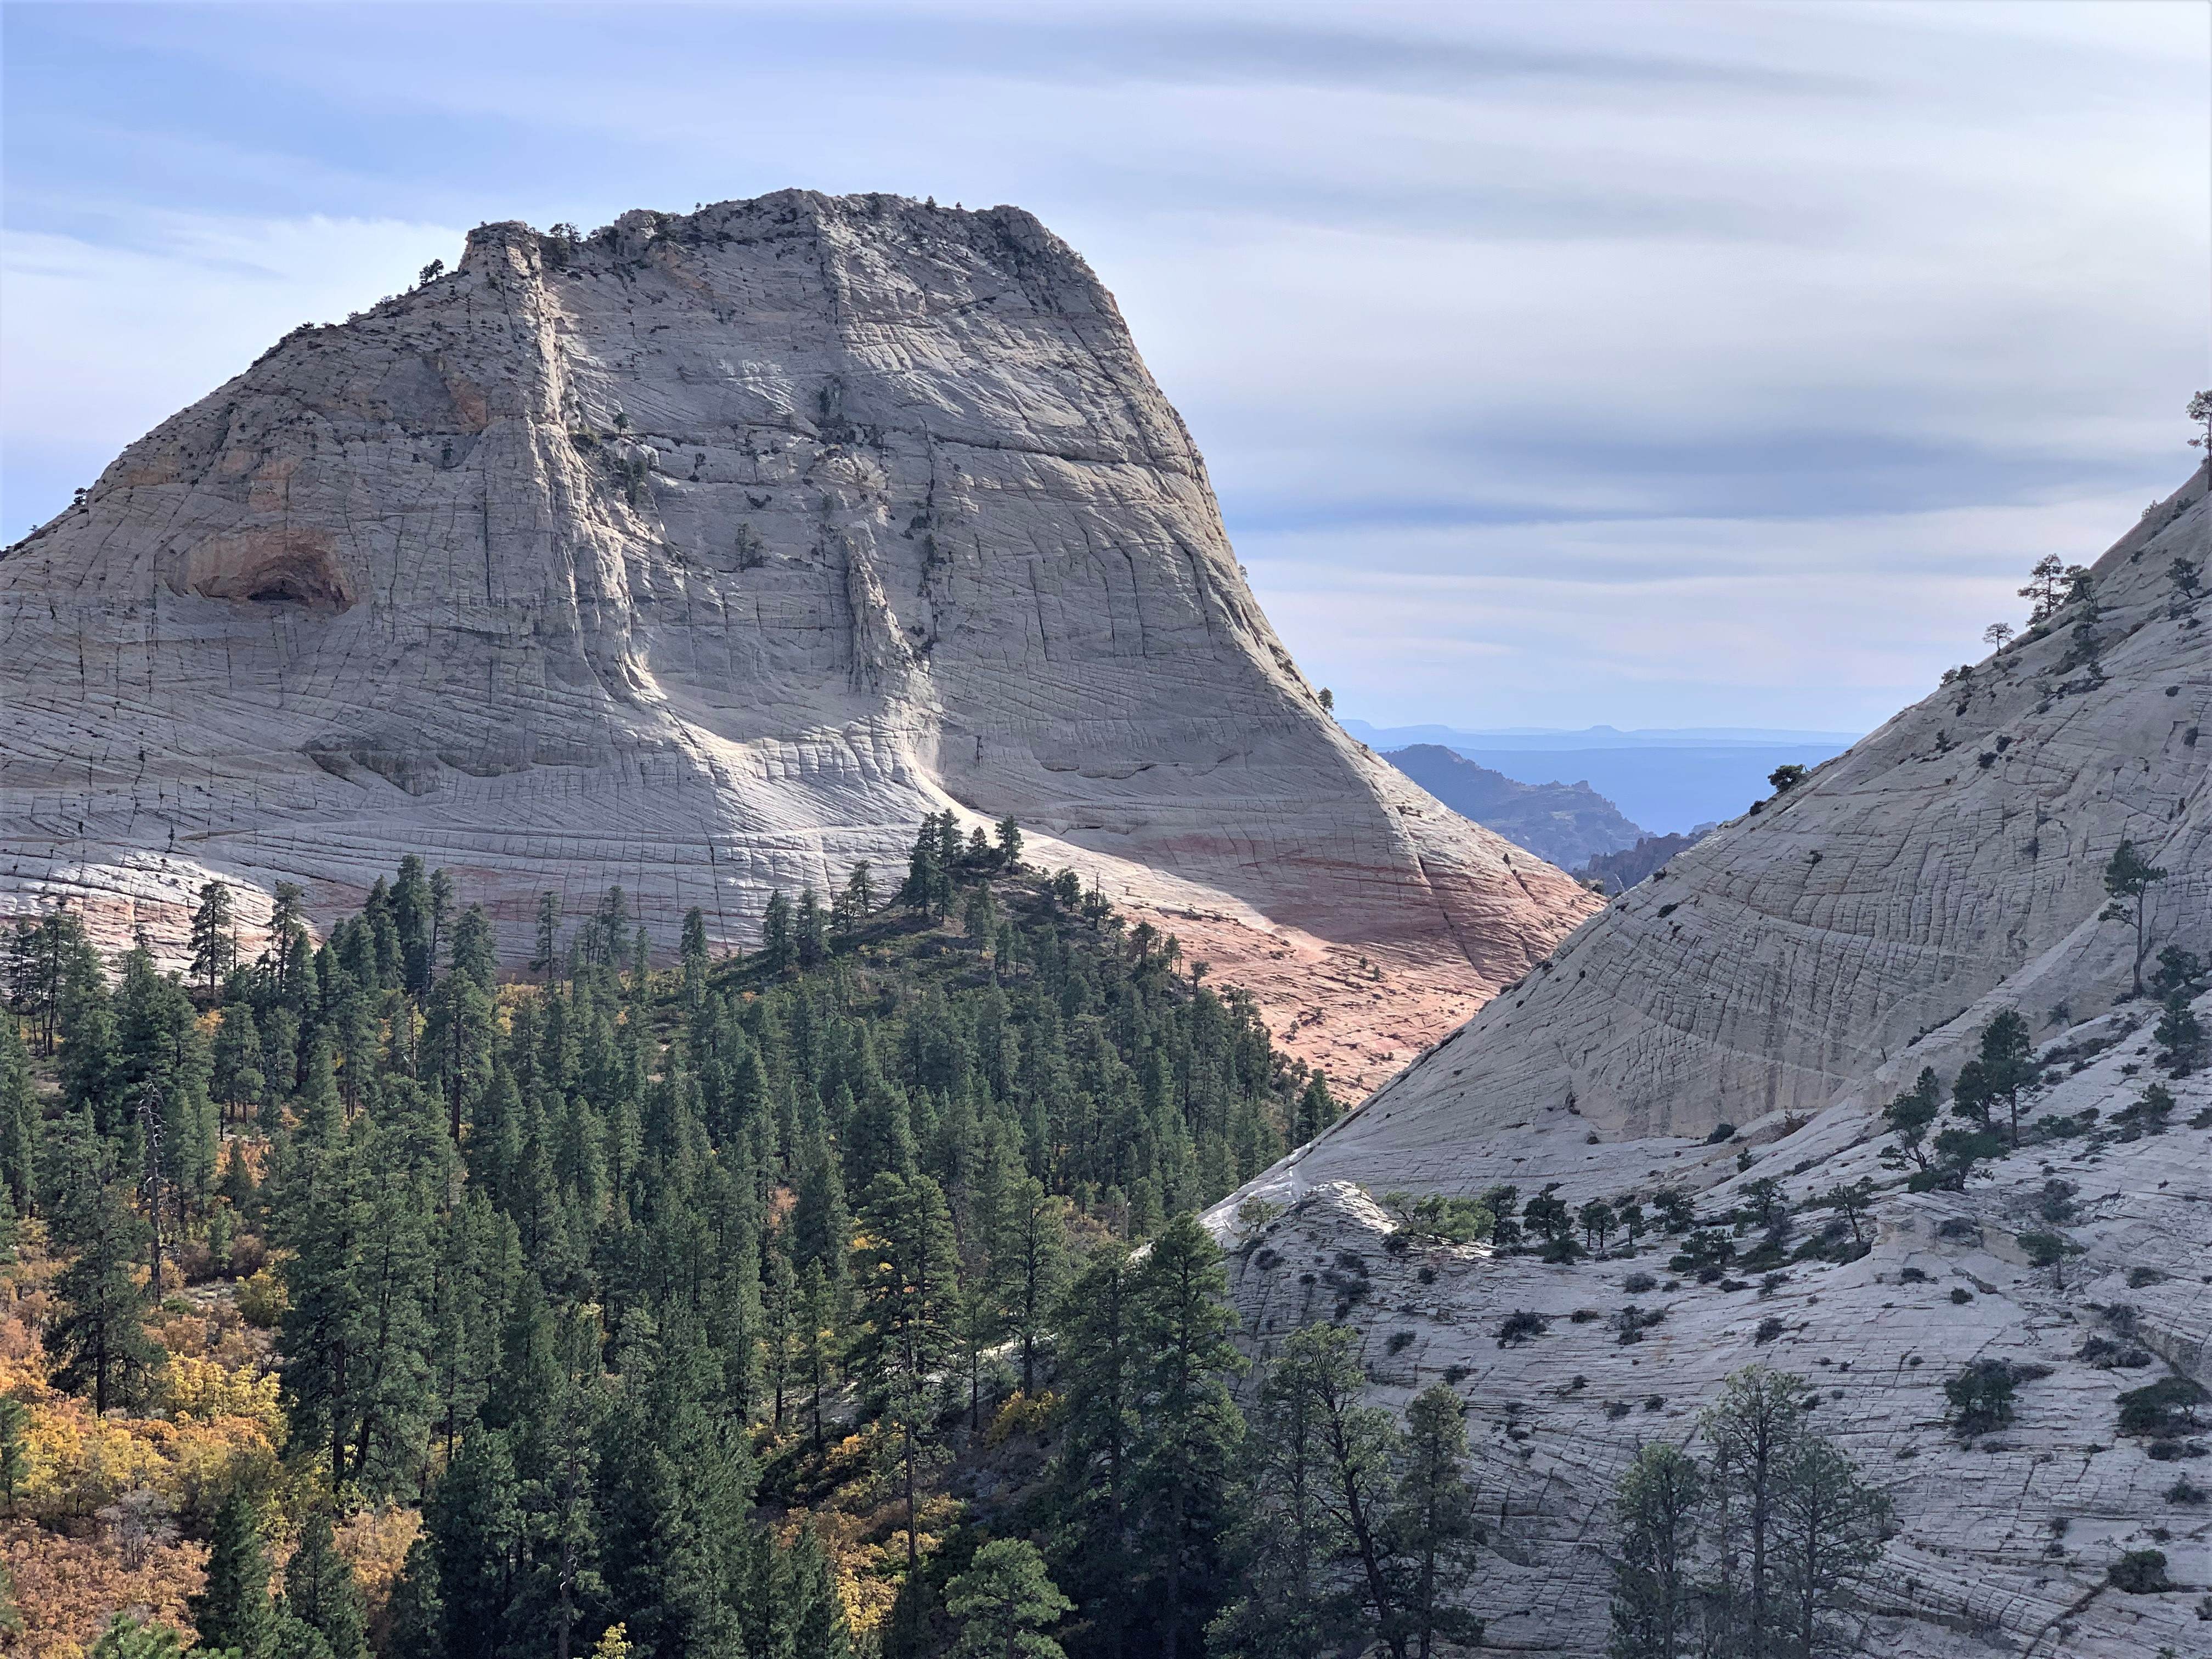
(704, 555)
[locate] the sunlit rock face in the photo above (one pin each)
(703, 556)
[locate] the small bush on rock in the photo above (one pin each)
(2166, 1407)
(1981, 1396)
(1520, 1326)
(2140, 1572)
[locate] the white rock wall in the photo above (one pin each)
(703, 557)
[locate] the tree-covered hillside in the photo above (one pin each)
(562, 1261)
(845, 1298)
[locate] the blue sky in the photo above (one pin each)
(1647, 364)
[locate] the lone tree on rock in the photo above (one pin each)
(2129, 878)
(2045, 585)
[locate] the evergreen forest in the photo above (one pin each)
(846, 1297)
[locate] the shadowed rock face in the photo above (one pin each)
(1835, 938)
(704, 556)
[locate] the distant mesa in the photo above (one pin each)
(1667, 780)
(1568, 823)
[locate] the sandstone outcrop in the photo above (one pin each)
(703, 555)
(1786, 977)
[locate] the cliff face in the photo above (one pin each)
(703, 556)
(1788, 976)
(1845, 931)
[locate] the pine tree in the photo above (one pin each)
(2129, 878)
(418, 1607)
(474, 1523)
(413, 912)
(1101, 1356)
(22, 1123)
(459, 1032)
(1004, 1600)
(545, 950)
(356, 1334)
(856, 901)
(1831, 1527)
(781, 1313)
(475, 948)
(776, 953)
(213, 937)
(691, 955)
(1317, 1109)
(821, 1224)
(557, 1458)
(820, 1322)
(238, 1079)
(810, 929)
(906, 1270)
(1356, 1446)
(14, 1454)
(816, 1613)
(2004, 1069)
(1191, 1428)
(1029, 1267)
(1755, 1430)
(48, 960)
(321, 1591)
(1655, 1592)
(97, 1336)
(676, 1486)
(1431, 1529)
(93, 1079)
(1287, 1541)
(232, 1611)
(1911, 1116)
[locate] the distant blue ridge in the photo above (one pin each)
(1665, 781)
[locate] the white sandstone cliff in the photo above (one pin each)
(1789, 975)
(703, 556)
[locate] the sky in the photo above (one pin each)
(1646, 364)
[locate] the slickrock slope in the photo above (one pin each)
(1956, 854)
(704, 556)
(1789, 975)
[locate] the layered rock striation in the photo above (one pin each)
(703, 555)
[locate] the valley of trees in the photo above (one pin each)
(843, 1297)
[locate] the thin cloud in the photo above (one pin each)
(1624, 363)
